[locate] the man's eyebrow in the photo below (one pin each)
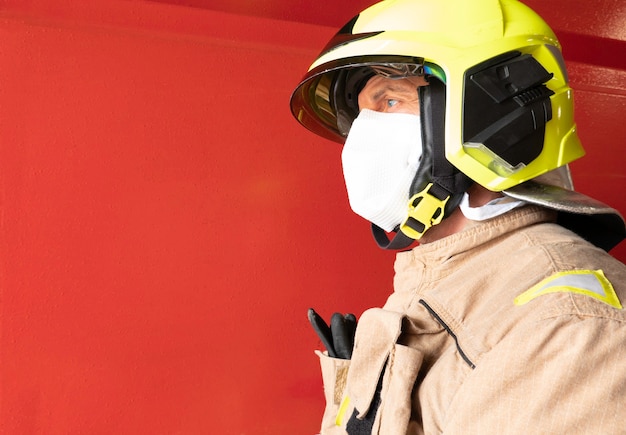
(390, 87)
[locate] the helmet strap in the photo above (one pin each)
(433, 113)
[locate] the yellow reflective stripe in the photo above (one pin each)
(342, 410)
(591, 283)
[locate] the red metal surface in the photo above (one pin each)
(165, 224)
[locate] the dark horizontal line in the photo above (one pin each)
(606, 52)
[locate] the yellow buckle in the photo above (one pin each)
(425, 210)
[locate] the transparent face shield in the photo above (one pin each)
(325, 102)
(349, 82)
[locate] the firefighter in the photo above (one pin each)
(457, 125)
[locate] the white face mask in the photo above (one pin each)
(380, 158)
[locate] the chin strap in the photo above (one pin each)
(438, 186)
(399, 241)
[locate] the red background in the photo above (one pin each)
(165, 223)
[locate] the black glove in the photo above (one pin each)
(338, 338)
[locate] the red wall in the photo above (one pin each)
(165, 224)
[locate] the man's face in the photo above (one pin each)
(387, 95)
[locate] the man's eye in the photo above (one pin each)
(391, 103)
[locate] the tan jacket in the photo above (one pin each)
(484, 334)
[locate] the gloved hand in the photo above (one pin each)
(338, 338)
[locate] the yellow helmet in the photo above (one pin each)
(499, 106)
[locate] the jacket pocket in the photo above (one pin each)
(334, 377)
(376, 335)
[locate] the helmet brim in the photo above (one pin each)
(325, 100)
